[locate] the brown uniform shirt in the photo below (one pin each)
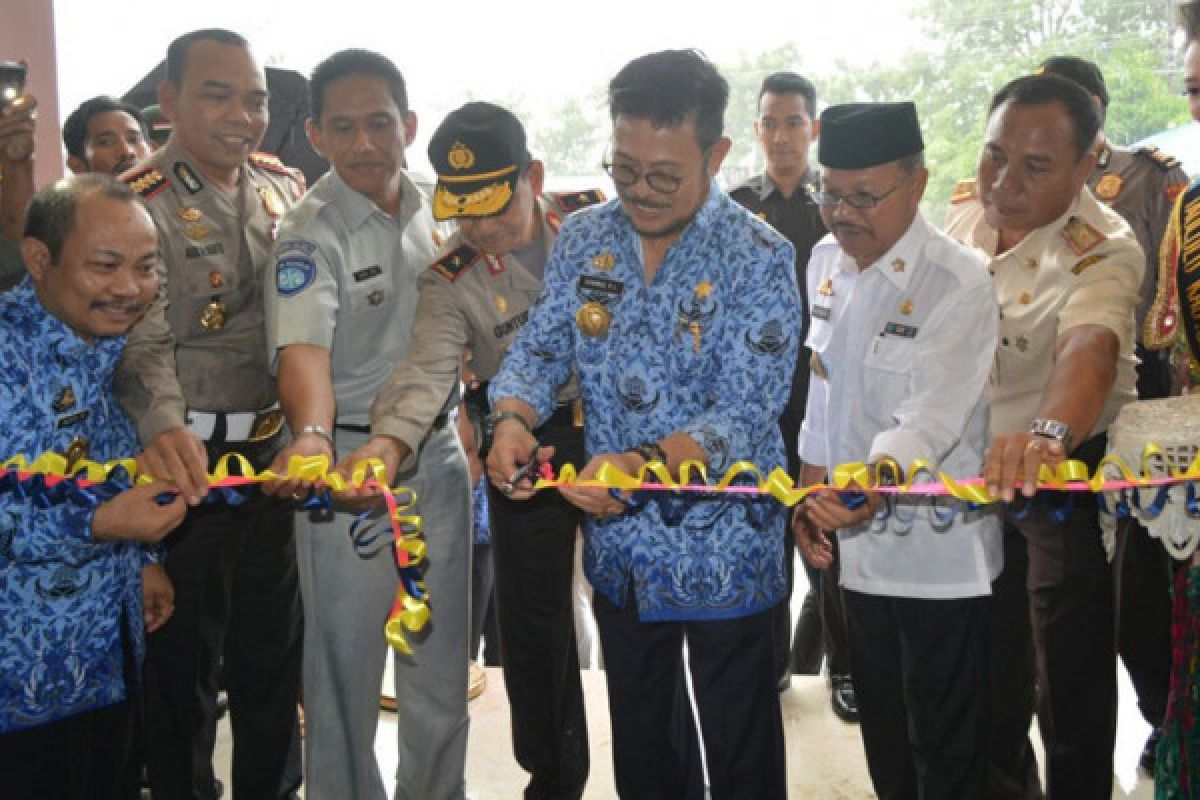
(1141, 185)
(203, 345)
(468, 299)
(1082, 269)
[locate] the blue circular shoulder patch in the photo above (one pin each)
(294, 273)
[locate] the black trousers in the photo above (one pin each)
(920, 676)
(655, 747)
(1052, 627)
(236, 600)
(88, 756)
(533, 561)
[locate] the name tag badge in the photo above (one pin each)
(820, 312)
(72, 419)
(901, 330)
(367, 273)
(606, 288)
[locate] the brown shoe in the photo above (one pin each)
(476, 680)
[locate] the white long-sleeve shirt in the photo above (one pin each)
(902, 352)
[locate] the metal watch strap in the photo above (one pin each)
(318, 430)
(1052, 429)
(650, 451)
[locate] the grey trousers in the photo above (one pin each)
(347, 597)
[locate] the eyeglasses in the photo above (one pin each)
(863, 201)
(624, 175)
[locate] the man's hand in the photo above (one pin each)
(1017, 456)
(178, 456)
(158, 597)
(17, 126)
(511, 445)
(390, 450)
(596, 500)
(135, 515)
(813, 542)
(305, 445)
(826, 510)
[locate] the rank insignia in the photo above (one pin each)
(963, 191)
(375, 297)
(452, 265)
(197, 231)
(213, 316)
(553, 221)
(65, 401)
(898, 265)
(1109, 186)
(818, 366)
(826, 288)
(501, 303)
(593, 319)
(1174, 190)
(604, 261)
(1081, 236)
(190, 214)
(906, 308)
(703, 290)
(1087, 262)
(187, 176)
(271, 201)
(460, 156)
(573, 201)
(147, 182)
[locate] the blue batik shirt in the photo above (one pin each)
(708, 348)
(63, 596)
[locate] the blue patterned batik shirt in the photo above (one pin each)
(63, 596)
(708, 347)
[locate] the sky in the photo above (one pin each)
(449, 52)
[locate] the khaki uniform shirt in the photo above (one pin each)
(1082, 269)
(1142, 186)
(468, 299)
(202, 346)
(346, 279)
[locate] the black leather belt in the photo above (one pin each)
(439, 422)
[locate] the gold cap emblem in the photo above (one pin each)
(197, 231)
(906, 307)
(460, 156)
(604, 261)
(703, 289)
(898, 265)
(190, 214)
(501, 303)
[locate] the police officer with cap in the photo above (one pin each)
(1141, 185)
(477, 294)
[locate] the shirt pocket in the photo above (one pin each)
(892, 357)
(370, 296)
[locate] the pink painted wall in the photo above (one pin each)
(27, 33)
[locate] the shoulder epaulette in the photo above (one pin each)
(1164, 161)
(963, 191)
(573, 201)
(146, 182)
(1082, 237)
(452, 265)
(271, 164)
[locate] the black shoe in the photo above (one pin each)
(785, 682)
(807, 647)
(1149, 757)
(842, 698)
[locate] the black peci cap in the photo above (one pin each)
(863, 135)
(478, 152)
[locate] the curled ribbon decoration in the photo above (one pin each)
(51, 480)
(1112, 476)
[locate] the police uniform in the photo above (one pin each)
(1142, 186)
(199, 358)
(479, 301)
(346, 280)
(799, 219)
(1082, 269)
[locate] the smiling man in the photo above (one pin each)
(105, 135)
(195, 380)
(1066, 271)
(340, 316)
(680, 313)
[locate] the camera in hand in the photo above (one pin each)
(12, 83)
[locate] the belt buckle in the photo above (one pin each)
(267, 424)
(577, 412)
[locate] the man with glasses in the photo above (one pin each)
(903, 328)
(1066, 271)
(477, 294)
(680, 313)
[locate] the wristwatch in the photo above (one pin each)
(650, 451)
(489, 428)
(1053, 429)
